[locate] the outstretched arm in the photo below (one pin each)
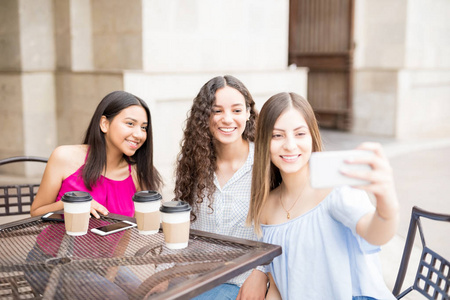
(377, 227)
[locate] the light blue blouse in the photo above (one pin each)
(323, 256)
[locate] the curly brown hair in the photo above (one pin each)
(196, 161)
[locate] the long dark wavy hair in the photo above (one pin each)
(110, 106)
(196, 161)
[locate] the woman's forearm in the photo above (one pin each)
(46, 208)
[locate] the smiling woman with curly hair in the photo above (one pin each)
(214, 169)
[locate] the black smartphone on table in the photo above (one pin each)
(53, 217)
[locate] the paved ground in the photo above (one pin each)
(422, 175)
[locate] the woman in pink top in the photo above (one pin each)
(114, 161)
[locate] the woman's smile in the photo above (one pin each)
(133, 144)
(290, 158)
(227, 129)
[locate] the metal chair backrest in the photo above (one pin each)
(432, 278)
(16, 199)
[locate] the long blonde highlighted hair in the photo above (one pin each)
(266, 176)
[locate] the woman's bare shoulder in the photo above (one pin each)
(69, 157)
(73, 152)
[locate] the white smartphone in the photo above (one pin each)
(113, 228)
(325, 168)
(53, 217)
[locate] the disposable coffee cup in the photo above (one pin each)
(77, 208)
(176, 217)
(146, 211)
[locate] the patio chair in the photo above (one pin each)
(16, 287)
(16, 199)
(432, 278)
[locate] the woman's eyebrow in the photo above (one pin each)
(236, 104)
(134, 120)
(300, 127)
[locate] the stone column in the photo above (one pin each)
(402, 68)
(117, 34)
(27, 97)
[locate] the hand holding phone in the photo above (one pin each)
(113, 228)
(325, 168)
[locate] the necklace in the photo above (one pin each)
(288, 215)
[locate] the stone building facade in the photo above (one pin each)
(58, 58)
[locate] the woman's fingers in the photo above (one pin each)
(97, 208)
(380, 176)
(381, 170)
(375, 147)
(94, 213)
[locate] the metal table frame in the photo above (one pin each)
(259, 254)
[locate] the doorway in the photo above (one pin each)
(321, 38)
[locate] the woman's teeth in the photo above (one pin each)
(227, 129)
(289, 157)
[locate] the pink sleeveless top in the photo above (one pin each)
(116, 196)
